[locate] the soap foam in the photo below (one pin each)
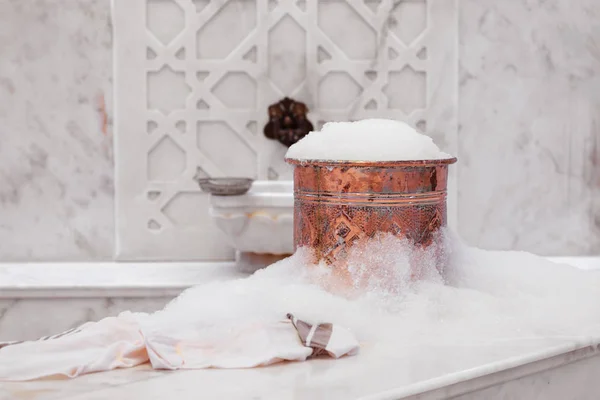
(484, 298)
(366, 140)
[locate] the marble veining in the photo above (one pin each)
(530, 125)
(56, 173)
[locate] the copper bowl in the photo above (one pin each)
(337, 203)
(225, 186)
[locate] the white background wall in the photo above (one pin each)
(527, 141)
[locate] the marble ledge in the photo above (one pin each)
(568, 370)
(472, 383)
(142, 279)
(109, 279)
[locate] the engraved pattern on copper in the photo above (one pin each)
(288, 122)
(338, 203)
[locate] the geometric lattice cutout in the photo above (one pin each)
(354, 36)
(200, 174)
(219, 142)
(373, 4)
(372, 75)
(422, 54)
(180, 54)
(406, 89)
(301, 4)
(151, 126)
(322, 55)
(338, 90)
(153, 225)
(290, 71)
(201, 75)
(392, 54)
(371, 105)
(252, 127)
(180, 125)
(153, 195)
(165, 19)
(232, 24)
(166, 161)
(200, 4)
(421, 126)
(167, 90)
(408, 20)
(178, 209)
(150, 54)
(251, 55)
(202, 105)
(236, 90)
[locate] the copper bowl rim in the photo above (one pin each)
(382, 164)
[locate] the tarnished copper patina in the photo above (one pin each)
(337, 203)
(288, 122)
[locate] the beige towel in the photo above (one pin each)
(126, 341)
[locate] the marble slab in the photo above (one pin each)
(193, 81)
(520, 369)
(529, 148)
(577, 380)
(82, 280)
(56, 142)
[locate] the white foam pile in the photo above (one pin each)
(366, 140)
(485, 299)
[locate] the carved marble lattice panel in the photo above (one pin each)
(194, 79)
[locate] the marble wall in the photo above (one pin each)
(56, 167)
(529, 135)
(529, 115)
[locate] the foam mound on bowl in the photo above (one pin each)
(366, 140)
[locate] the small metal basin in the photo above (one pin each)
(225, 186)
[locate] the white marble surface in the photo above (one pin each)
(44, 280)
(578, 380)
(449, 369)
(529, 138)
(56, 168)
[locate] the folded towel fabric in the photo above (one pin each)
(126, 341)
